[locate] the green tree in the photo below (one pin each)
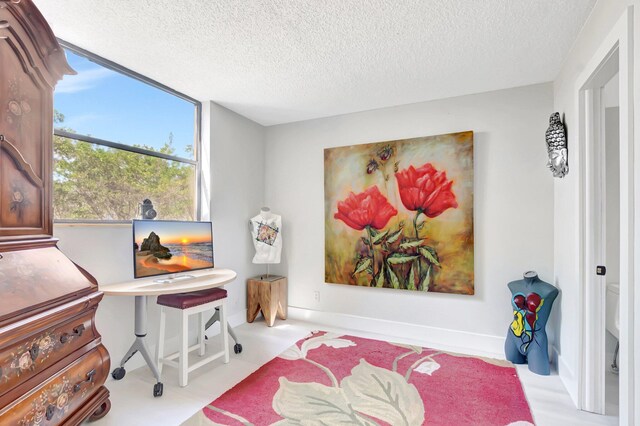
(100, 183)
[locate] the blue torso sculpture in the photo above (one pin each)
(531, 300)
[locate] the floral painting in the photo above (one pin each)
(399, 214)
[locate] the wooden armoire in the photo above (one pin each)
(52, 363)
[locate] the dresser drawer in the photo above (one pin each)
(58, 397)
(27, 358)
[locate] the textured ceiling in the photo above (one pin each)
(277, 61)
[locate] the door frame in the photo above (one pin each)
(615, 49)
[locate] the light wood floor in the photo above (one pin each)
(134, 404)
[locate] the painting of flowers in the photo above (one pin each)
(399, 214)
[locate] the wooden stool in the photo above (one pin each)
(196, 302)
(269, 295)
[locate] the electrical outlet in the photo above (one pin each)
(316, 296)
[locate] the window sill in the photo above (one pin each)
(86, 223)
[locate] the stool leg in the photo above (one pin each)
(282, 299)
(253, 304)
(269, 303)
(224, 332)
(184, 351)
(201, 333)
(160, 347)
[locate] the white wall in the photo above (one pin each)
(237, 164)
(233, 149)
(513, 206)
(566, 217)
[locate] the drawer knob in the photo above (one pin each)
(89, 379)
(77, 331)
(51, 410)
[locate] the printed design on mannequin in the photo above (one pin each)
(525, 317)
(267, 234)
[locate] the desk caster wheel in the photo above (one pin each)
(118, 373)
(157, 389)
(237, 348)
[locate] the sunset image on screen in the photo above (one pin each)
(167, 247)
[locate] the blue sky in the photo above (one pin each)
(108, 105)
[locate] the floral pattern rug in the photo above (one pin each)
(333, 379)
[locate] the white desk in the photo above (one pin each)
(141, 288)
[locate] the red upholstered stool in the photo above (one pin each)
(196, 302)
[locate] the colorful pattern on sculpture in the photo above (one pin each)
(525, 316)
(267, 234)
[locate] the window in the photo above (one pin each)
(120, 138)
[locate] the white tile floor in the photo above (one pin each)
(134, 404)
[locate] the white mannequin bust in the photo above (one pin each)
(265, 212)
(266, 228)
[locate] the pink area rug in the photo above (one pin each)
(332, 379)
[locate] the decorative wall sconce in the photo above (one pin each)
(557, 147)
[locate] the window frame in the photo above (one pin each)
(197, 143)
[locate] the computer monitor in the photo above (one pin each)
(167, 247)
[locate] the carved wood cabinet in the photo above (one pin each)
(52, 363)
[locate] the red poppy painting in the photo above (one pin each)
(399, 214)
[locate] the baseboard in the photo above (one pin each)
(434, 337)
(567, 376)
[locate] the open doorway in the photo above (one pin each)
(601, 243)
(607, 233)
